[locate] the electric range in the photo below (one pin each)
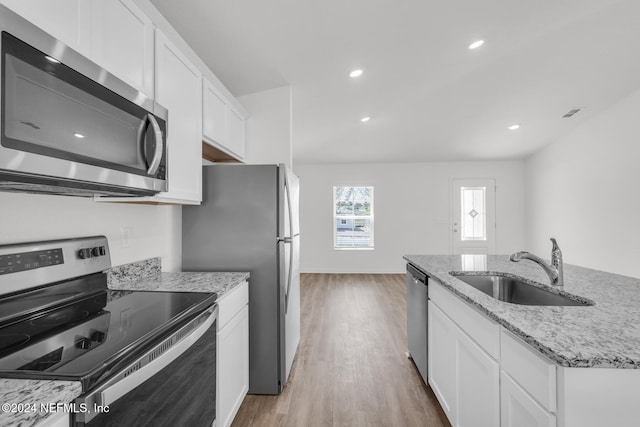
(58, 319)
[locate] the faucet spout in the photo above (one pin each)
(554, 270)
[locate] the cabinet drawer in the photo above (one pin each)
(519, 409)
(529, 369)
(483, 330)
(231, 303)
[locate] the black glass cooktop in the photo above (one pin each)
(75, 339)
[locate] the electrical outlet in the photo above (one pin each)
(125, 236)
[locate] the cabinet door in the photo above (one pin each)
(215, 118)
(519, 409)
(179, 89)
(442, 360)
(237, 133)
(233, 367)
(478, 386)
(67, 20)
(122, 42)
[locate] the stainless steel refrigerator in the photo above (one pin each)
(248, 221)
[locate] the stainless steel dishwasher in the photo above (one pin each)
(417, 298)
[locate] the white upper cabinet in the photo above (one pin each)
(215, 115)
(236, 132)
(122, 42)
(67, 20)
(114, 34)
(223, 126)
(179, 89)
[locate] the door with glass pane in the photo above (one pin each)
(473, 218)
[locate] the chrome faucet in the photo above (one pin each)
(553, 270)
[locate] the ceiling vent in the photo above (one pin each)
(572, 113)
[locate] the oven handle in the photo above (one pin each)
(150, 364)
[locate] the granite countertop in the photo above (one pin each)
(605, 335)
(146, 276)
(143, 275)
(28, 402)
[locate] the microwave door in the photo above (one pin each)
(76, 128)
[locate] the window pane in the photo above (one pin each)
(361, 201)
(344, 200)
(473, 213)
(356, 233)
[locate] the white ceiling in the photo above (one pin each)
(429, 97)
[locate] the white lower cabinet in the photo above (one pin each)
(464, 378)
(478, 385)
(232, 353)
(483, 375)
(442, 360)
(519, 409)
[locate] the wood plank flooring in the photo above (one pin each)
(350, 368)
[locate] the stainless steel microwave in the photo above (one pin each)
(70, 127)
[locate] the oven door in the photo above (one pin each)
(65, 117)
(172, 384)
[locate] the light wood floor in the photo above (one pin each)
(350, 368)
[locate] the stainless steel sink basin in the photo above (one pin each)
(515, 291)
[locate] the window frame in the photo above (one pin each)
(369, 217)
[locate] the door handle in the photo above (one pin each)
(157, 155)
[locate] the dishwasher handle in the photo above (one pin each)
(417, 275)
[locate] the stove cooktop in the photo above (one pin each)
(79, 340)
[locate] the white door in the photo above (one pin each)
(473, 216)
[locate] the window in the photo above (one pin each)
(473, 213)
(353, 217)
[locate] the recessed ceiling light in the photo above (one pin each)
(79, 135)
(365, 119)
(514, 126)
(355, 73)
(476, 44)
(52, 59)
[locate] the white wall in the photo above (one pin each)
(269, 138)
(411, 211)
(156, 230)
(584, 190)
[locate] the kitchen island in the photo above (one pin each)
(41, 402)
(588, 356)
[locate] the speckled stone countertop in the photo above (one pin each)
(25, 397)
(146, 276)
(605, 335)
(137, 276)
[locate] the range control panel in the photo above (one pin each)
(13, 263)
(28, 265)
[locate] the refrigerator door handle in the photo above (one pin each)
(289, 240)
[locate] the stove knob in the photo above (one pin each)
(98, 336)
(84, 253)
(103, 251)
(83, 343)
(95, 251)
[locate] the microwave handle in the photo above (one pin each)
(157, 155)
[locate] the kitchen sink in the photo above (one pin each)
(515, 291)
